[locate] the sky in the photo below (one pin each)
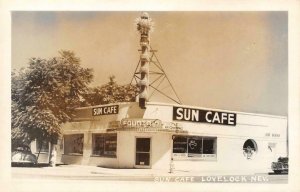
(234, 61)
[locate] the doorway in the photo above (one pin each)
(143, 152)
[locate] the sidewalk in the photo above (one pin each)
(82, 170)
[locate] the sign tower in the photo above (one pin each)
(144, 26)
(142, 73)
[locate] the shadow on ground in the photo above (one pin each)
(39, 165)
(283, 173)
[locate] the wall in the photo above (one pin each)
(160, 149)
(230, 157)
(86, 158)
(264, 129)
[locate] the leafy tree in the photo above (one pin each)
(44, 96)
(111, 92)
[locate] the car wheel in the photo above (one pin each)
(277, 171)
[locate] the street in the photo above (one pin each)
(148, 175)
(90, 178)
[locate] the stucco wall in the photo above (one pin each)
(263, 129)
(160, 148)
(230, 157)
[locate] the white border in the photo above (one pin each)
(293, 7)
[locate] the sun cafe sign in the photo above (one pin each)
(203, 116)
(106, 110)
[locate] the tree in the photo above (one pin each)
(44, 96)
(111, 92)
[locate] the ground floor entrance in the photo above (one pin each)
(143, 153)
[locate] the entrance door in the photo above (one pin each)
(142, 155)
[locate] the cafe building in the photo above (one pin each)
(124, 135)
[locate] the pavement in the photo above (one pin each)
(65, 178)
(81, 172)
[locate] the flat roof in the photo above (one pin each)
(187, 106)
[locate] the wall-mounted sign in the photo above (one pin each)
(106, 110)
(172, 126)
(141, 123)
(203, 116)
(273, 135)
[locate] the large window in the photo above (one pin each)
(195, 147)
(73, 144)
(105, 145)
(180, 145)
(42, 146)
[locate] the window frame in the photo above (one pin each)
(195, 156)
(250, 153)
(136, 152)
(64, 144)
(37, 147)
(104, 135)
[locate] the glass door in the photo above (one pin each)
(142, 155)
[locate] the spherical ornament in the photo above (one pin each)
(143, 82)
(144, 24)
(144, 69)
(145, 56)
(144, 94)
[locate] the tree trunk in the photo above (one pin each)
(37, 144)
(37, 158)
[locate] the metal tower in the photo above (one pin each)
(148, 59)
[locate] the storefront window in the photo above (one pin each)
(73, 144)
(179, 145)
(194, 147)
(42, 146)
(105, 144)
(208, 146)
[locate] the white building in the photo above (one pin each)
(123, 135)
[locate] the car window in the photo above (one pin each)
(27, 149)
(19, 149)
(23, 148)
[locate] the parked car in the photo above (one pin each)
(22, 155)
(282, 165)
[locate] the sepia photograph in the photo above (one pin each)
(200, 99)
(155, 96)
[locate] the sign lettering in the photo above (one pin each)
(141, 123)
(204, 116)
(106, 110)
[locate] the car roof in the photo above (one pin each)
(21, 147)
